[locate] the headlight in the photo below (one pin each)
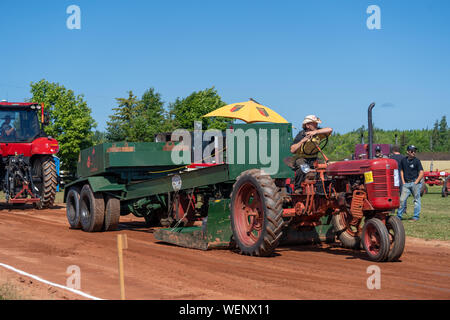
(305, 168)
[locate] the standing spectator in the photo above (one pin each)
(411, 174)
(398, 157)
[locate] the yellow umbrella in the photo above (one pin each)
(249, 111)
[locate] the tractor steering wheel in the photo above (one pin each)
(314, 150)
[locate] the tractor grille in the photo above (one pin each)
(383, 183)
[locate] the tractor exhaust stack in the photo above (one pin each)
(370, 128)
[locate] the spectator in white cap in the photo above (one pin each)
(304, 147)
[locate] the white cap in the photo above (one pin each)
(311, 118)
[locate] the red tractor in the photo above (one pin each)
(27, 167)
(437, 178)
(358, 196)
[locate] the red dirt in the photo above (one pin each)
(41, 243)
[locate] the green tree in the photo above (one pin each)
(183, 112)
(149, 118)
(137, 119)
(120, 126)
(71, 122)
(98, 137)
(444, 135)
(435, 136)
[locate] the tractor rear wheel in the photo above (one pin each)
(73, 208)
(375, 239)
(256, 213)
(347, 234)
(92, 209)
(45, 170)
(396, 233)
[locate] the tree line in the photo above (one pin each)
(140, 118)
(341, 146)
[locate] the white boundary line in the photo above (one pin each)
(49, 283)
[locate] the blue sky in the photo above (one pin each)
(297, 57)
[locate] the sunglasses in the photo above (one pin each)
(412, 151)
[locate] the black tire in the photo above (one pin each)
(45, 169)
(396, 236)
(272, 222)
(92, 210)
(341, 228)
(73, 208)
(112, 214)
(424, 189)
(444, 187)
(376, 250)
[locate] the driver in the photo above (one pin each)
(7, 130)
(304, 150)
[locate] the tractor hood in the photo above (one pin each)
(42, 145)
(358, 167)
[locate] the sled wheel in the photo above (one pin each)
(375, 239)
(256, 213)
(73, 208)
(396, 233)
(346, 233)
(45, 170)
(112, 214)
(92, 209)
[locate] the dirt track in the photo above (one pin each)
(41, 243)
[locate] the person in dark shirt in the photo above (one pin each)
(411, 173)
(8, 132)
(304, 149)
(379, 153)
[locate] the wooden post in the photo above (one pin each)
(122, 244)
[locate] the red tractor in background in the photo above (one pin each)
(27, 168)
(437, 178)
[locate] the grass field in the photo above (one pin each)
(9, 292)
(434, 222)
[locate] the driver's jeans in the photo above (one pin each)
(299, 175)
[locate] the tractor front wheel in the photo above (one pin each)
(375, 239)
(256, 213)
(45, 170)
(396, 233)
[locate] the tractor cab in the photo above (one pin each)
(19, 123)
